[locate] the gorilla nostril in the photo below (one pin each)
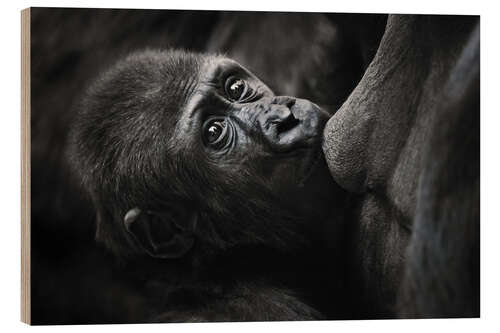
(287, 124)
(290, 103)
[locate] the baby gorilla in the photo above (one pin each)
(200, 174)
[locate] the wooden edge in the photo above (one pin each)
(25, 168)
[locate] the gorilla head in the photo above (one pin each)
(186, 153)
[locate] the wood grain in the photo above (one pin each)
(25, 169)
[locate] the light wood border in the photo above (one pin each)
(25, 168)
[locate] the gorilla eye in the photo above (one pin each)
(215, 131)
(236, 89)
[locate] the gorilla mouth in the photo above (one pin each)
(298, 128)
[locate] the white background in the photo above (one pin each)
(490, 171)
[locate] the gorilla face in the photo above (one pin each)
(244, 129)
(178, 148)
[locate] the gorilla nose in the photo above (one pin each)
(279, 123)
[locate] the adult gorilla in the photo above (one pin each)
(204, 178)
(406, 144)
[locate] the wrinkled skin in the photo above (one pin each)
(406, 145)
(277, 138)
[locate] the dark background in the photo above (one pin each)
(315, 56)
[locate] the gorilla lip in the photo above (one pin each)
(296, 136)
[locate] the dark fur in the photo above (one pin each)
(442, 272)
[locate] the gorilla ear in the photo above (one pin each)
(159, 234)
